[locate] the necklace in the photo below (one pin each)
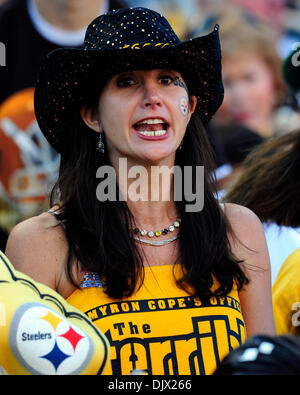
(137, 232)
(156, 243)
(157, 233)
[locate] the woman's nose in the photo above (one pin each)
(152, 97)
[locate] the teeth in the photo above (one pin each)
(151, 121)
(152, 133)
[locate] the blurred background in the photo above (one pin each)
(256, 36)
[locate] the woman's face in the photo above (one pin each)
(144, 115)
(250, 94)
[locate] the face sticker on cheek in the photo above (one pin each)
(183, 104)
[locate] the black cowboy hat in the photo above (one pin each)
(124, 39)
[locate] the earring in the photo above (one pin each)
(100, 144)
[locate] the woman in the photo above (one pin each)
(173, 290)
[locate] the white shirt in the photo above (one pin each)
(282, 241)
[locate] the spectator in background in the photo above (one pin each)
(269, 11)
(255, 92)
(237, 141)
(270, 187)
(30, 29)
(253, 84)
(286, 289)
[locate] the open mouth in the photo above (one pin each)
(151, 127)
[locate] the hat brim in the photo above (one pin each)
(68, 76)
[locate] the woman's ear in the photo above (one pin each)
(192, 105)
(90, 118)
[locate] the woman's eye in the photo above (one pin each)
(249, 77)
(166, 80)
(125, 81)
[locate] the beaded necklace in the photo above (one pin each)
(137, 232)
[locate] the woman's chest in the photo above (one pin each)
(161, 329)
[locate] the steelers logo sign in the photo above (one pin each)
(44, 342)
(183, 105)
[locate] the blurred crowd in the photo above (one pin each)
(258, 122)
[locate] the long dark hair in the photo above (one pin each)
(97, 232)
(270, 185)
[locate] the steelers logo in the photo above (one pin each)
(183, 105)
(44, 342)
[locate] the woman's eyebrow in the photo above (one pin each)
(178, 82)
(124, 73)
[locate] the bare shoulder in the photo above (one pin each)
(248, 243)
(247, 235)
(38, 248)
(240, 216)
